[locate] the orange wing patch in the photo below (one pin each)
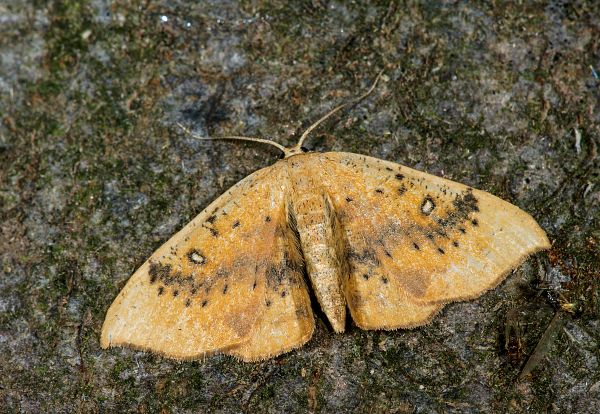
(416, 241)
(201, 293)
(287, 321)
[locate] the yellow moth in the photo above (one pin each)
(388, 243)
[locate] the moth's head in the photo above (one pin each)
(289, 152)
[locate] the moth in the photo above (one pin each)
(385, 242)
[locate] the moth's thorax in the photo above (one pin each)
(321, 241)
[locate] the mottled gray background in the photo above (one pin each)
(95, 175)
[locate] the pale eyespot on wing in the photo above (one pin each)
(416, 241)
(203, 292)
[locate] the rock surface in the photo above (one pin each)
(94, 175)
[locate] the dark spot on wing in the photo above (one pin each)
(211, 219)
(366, 256)
(455, 243)
(399, 176)
(349, 199)
(175, 293)
(462, 207)
(283, 294)
(366, 276)
(441, 232)
(235, 224)
(475, 222)
(188, 303)
(267, 219)
(204, 302)
(379, 191)
(275, 275)
(161, 290)
(214, 232)
(416, 246)
(158, 271)
(441, 250)
(268, 303)
(384, 280)
(225, 289)
(402, 189)
(464, 204)
(441, 221)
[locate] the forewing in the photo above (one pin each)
(287, 321)
(204, 290)
(416, 241)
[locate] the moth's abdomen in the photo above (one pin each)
(317, 224)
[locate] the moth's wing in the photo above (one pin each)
(204, 290)
(416, 241)
(287, 321)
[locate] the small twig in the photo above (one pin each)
(543, 346)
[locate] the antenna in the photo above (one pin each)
(297, 149)
(333, 111)
(234, 137)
